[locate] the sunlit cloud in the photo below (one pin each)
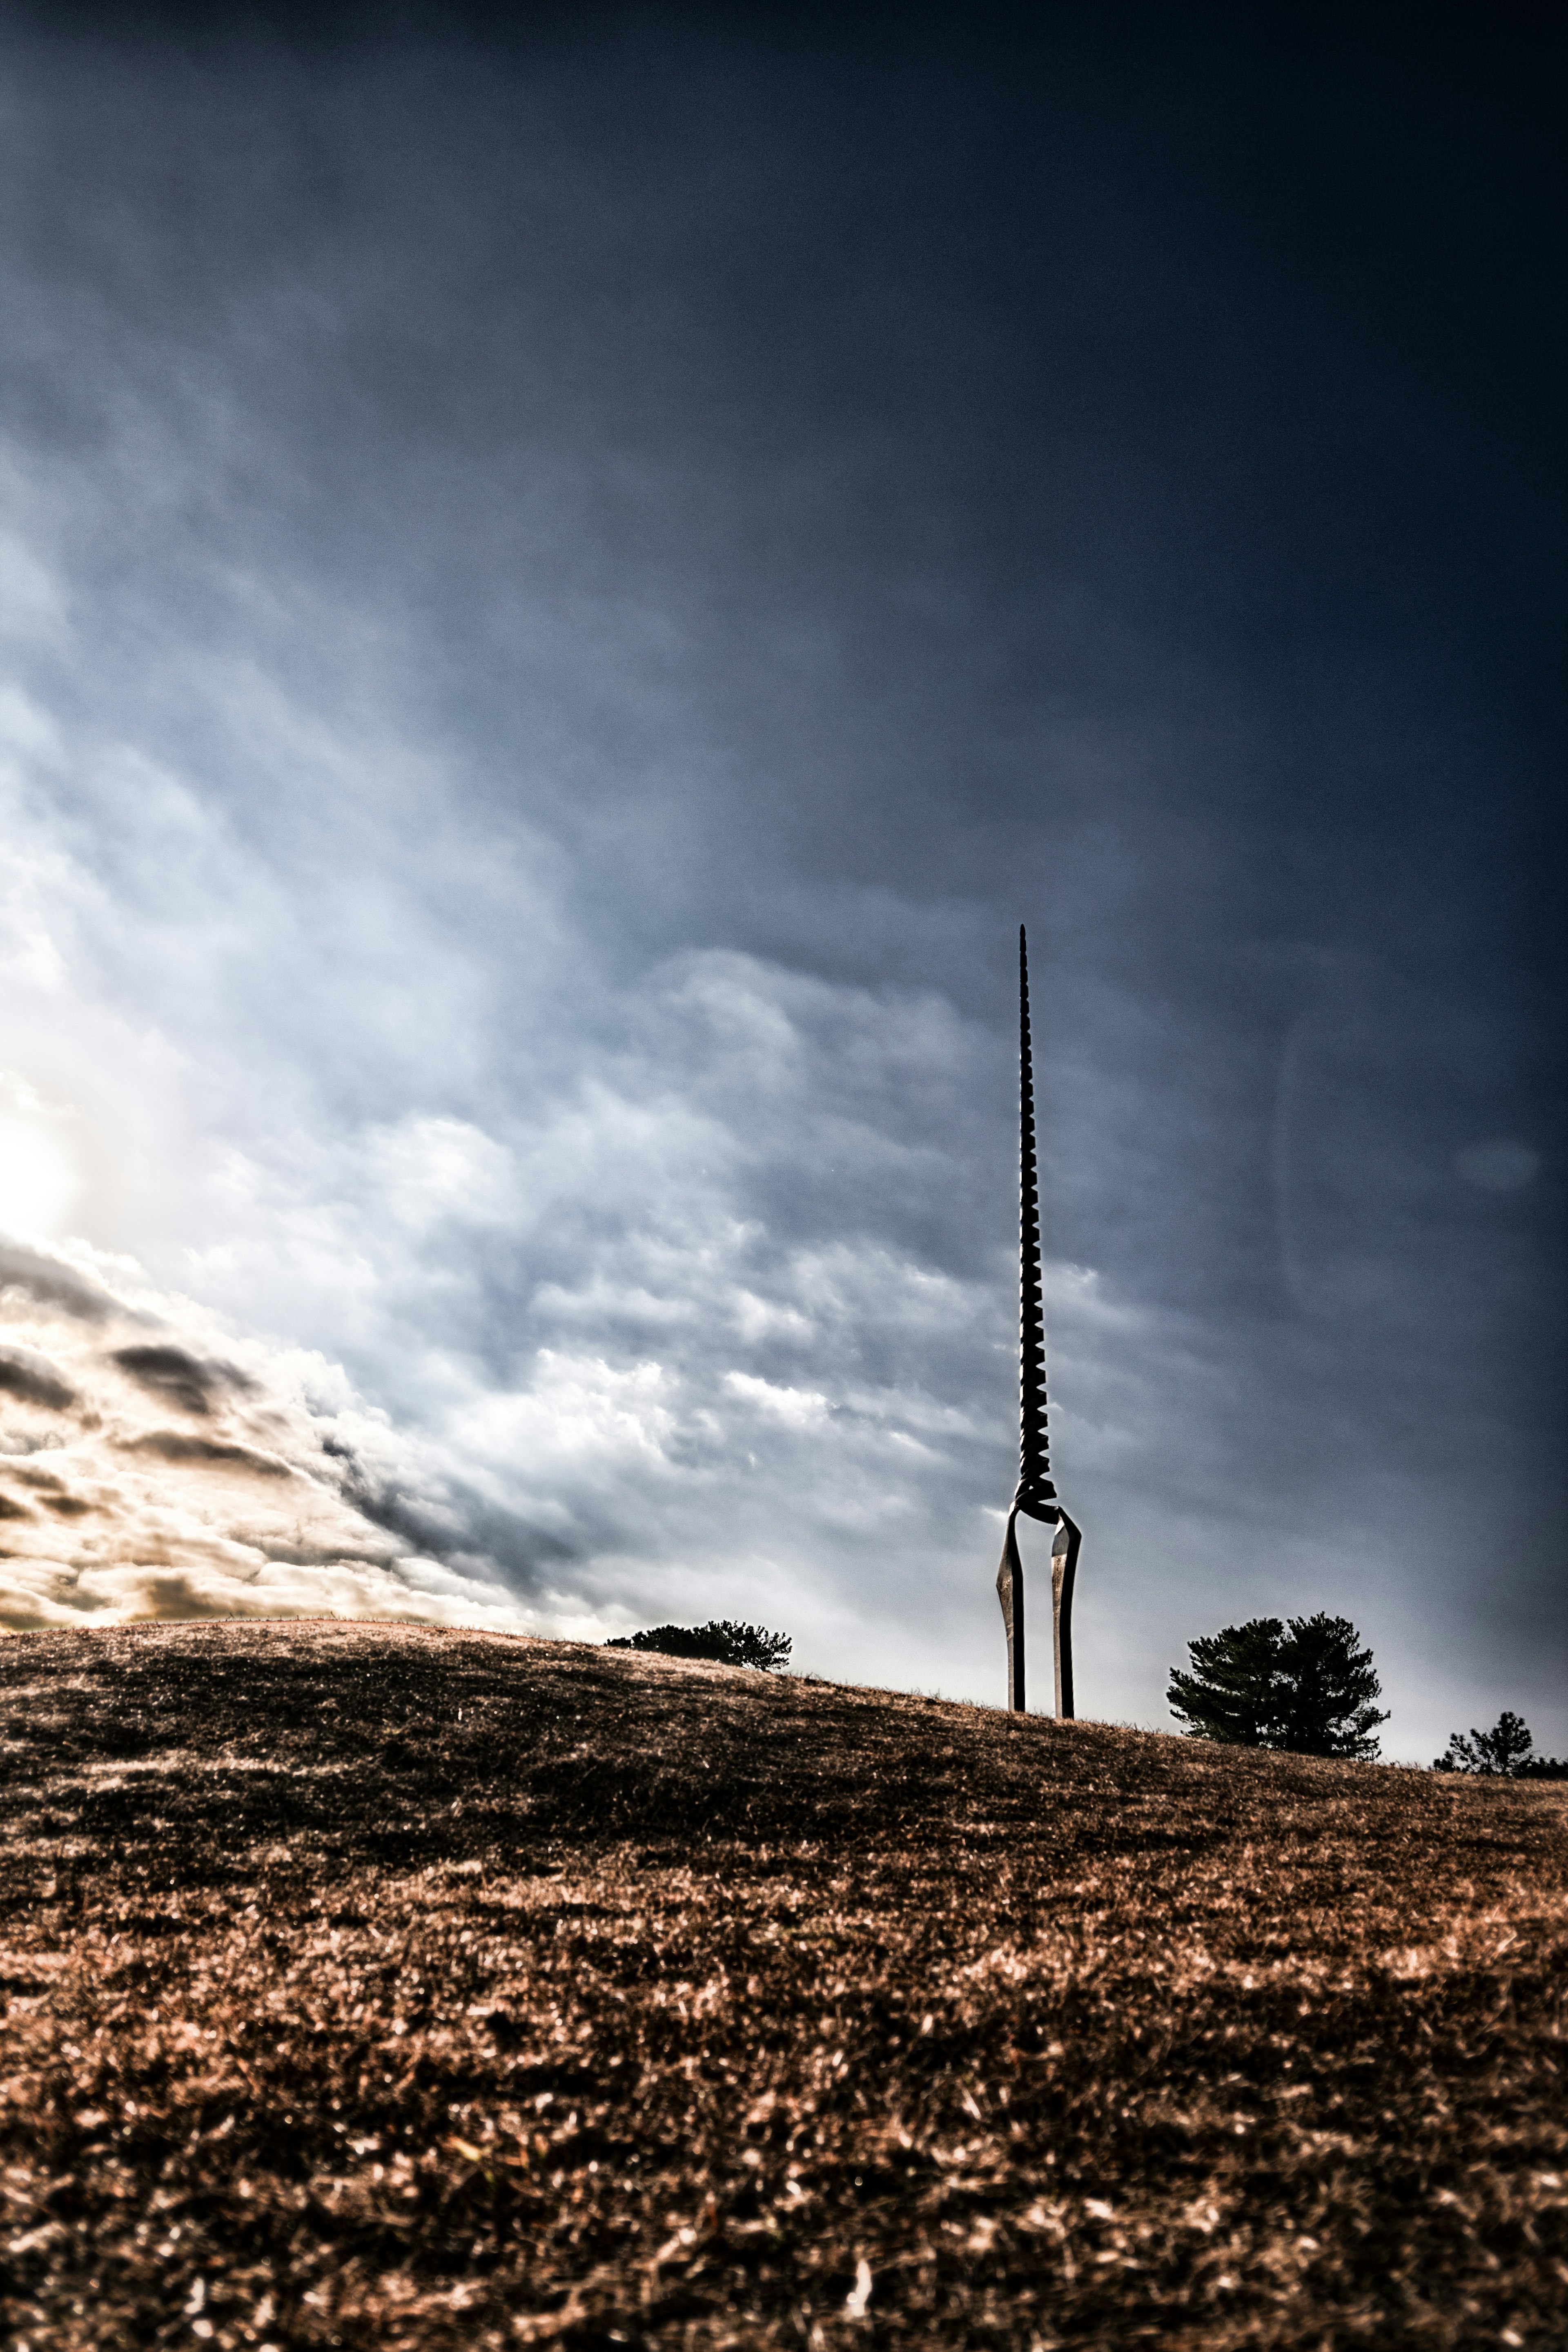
(150, 1465)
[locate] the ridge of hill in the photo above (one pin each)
(380, 1986)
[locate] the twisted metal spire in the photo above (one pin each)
(1035, 1496)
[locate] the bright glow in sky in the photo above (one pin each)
(39, 1185)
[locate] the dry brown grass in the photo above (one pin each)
(384, 1987)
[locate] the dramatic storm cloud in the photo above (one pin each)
(561, 602)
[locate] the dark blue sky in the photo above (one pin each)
(568, 593)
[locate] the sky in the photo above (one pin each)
(563, 592)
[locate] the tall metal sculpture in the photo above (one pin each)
(1036, 1496)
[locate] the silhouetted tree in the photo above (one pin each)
(720, 1639)
(1502, 1753)
(1231, 1693)
(1307, 1686)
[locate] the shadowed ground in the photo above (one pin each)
(370, 1986)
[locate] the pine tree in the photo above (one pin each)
(1307, 1686)
(1500, 1753)
(1232, 1694)
(1330, 1686)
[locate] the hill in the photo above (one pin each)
(386, 1987)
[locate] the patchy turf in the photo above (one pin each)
(384, 1987)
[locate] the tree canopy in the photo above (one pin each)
(1306, 1685)
(721, 1639)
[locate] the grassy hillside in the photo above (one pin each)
(385, 1987)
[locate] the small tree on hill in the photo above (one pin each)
(721, 1639)
(1502, 1753)
(1306, 1686)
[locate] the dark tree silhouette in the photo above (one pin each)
(721, 1640)
(1502, 1753)
(1231, 1692)
(1307, 1686)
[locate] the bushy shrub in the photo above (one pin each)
(721, 1640)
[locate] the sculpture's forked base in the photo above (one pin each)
(1010, 1593)
(1063, 1573)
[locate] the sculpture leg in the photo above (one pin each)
(1010, 1593)
(1064, 1572)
